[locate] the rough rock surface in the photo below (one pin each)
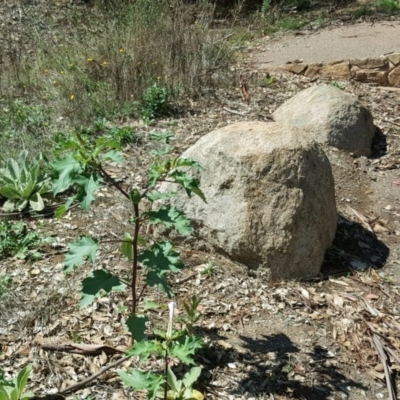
(331, 117)
(270, 198)
(381, 70)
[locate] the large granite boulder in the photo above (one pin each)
(270, 198)
(330, 116)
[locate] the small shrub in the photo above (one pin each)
(388, 6)
(80, 166)
(155, 102)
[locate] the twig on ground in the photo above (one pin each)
(183, 280)
(235, 112)
(83, 349)
(78, 385)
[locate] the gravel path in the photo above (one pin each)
(358, 40)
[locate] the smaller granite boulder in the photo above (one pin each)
(330, 116)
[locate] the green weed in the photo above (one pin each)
(288, 23)
(5, 284)
(338, 85)
(210, 269)
(17, 241)
(15, 389)
(363, 11)
(155, 103)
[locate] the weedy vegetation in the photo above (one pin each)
(68, 92)
(16, 240)
(15, 389)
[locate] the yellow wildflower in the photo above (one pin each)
(72, 97)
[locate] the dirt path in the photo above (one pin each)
(361, 40)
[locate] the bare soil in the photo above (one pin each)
(319, 339)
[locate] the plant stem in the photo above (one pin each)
(166, 375)
(135, 256)
(112, 181)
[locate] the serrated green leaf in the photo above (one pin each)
(99, 280)
(143, 381)
(114, 155)
(155, 278)
(85, 247)
(191, 185)
(161, 152)
(186, 162)
(127, 246)
(185, 350)
(150, 304)
(90, 186)
(191, 377)
(170, 217)
(136, 325)
(59, 213)
(161, 257)
(163, 137)
(146, 348)
(22, 377)
(155, 195)
(155, 174)
(66, 168)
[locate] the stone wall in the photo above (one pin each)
(384, 70)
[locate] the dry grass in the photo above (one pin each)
(79, 64)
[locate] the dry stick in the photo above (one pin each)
(234, 112)
(187, 278)
(94, 376)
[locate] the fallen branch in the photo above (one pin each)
(82, 349)
(235, 112)
(187, 278)
(78, 385)
(386, 367)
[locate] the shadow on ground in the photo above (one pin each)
(354, 248)
(272, 365)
